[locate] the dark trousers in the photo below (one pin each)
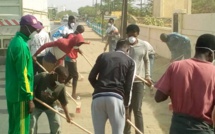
(136, 105)
(184, 124)
(38, 69)
(73, 73)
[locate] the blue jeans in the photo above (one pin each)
(136, 106)
(54, 121)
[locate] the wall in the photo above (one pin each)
(152, 35)
(165, 8)
(192, 25)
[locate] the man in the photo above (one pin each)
(112, 88)
(190, 85)
(35, 43)
(112, 35)
(59, 49)
(139, 53)
(71, 63)
(65, 30)
(47, 90)
(19, 77)
(178, 44)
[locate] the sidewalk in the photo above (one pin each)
(156, 116)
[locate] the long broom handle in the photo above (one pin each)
(147, 83)
(87, 60)
(72, 122)
(134, 126)
(47, 72)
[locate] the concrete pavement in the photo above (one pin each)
(156, 116)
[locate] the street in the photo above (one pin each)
(156, 116)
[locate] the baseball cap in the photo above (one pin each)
(31, 21)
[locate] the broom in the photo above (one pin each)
(72, 122)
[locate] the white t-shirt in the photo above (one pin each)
(39, 39)
(149, 47)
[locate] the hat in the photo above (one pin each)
(31, 21)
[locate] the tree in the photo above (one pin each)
(203, 6)
(67, 12)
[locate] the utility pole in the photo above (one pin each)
(124, 18)
(141, 7)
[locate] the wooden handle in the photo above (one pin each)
(72, 98)
(72, 122)
(87, 60)
(47, 72)
(134, 126)
(145, 81)
(41, 66)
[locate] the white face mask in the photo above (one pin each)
(72, 24)
(132, 40)
(31, 36)
(212, 51)
(109, 24)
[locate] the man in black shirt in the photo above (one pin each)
(112, 88)
(47, 89)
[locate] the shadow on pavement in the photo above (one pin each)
(160, 110)
(3, 111)
(2, 97)
(2, 86)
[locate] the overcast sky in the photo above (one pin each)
(75, 4)
(70, 4)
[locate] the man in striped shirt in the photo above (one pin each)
(112, 88)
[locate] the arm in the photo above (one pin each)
(160, 96)
(21, 60)
(129, 83)
(65, 109)
(95, 71)
(63, 101)
(50, 44)
(147, 66)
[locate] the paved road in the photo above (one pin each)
(156, 116)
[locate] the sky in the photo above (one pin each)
(75, 4)
(70, 4)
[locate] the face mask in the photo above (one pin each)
(212, 51)
(132, 40)
(31, 34)
(109, 24)
(72, 24)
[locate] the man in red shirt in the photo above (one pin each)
(59, 49)
(190, 84)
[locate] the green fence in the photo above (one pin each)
(96, 27)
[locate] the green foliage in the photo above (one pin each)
(62, 13)
(87, 10)
(203, 6)
(147, 20)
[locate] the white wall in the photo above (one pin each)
(152, 35)
(192, 25)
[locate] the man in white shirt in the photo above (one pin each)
(112, 35)
(35, 43)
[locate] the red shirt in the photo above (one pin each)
(191, 86)
(64, 44)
